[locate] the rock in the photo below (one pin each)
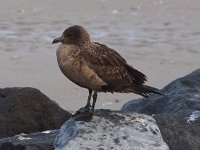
(111, 130)
(107, 130)
(178, 133)
(177, 113)
(34, 141)
(182, 97)
(27, 110)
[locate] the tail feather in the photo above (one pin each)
(138, 77)
(138, 86)
(144, 90)
(152, 90)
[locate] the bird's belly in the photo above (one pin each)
(82, 75)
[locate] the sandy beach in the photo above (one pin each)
(161, 38)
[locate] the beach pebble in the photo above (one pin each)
(14, 57)
(115, 11)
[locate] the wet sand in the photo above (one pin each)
(161, 38)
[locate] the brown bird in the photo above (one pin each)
(97, 67)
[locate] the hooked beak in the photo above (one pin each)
(60, 39)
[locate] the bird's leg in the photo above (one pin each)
(94, 100)
(87, 106)
(85, 113)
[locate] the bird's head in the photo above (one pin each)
(76, 35)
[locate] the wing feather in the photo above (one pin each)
(111, 67)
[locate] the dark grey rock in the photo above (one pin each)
(177, 113)
(27, 110)
(34, 141)
(111, 130)
(182, 96)
(178, 133)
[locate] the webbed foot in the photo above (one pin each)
(83, 114)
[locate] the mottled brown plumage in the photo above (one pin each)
(97, 67)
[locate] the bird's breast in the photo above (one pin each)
(77, 69)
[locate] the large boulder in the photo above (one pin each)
(27, 110)
(111, 130)
(107, 130)
(178, 133)
(177, 113)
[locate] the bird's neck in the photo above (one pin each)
(79, 44)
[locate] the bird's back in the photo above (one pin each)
(112, 68)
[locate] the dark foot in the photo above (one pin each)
(83, 114)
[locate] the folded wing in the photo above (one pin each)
(112, 69)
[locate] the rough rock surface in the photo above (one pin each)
(27, 110)
(34, 141)
(111, 130)
(107, 130)
(178, 133)
(177, 114)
